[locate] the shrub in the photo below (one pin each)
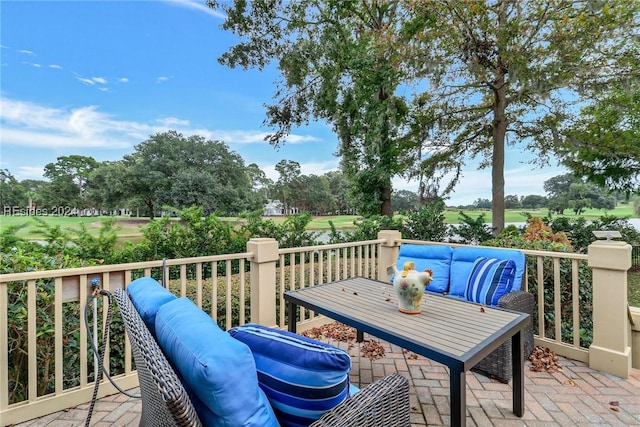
(539, 236)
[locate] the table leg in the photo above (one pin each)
(359, 335)
(291, 315)
(458, 392)
(517, 356)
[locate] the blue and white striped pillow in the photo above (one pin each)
(490, 279)
(303, 378)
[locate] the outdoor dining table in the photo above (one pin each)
(456, 333)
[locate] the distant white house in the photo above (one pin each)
(276, 208)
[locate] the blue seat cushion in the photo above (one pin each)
(490, 279)
(218, 369)
(303, 378)
(147, 295)
(464, 258)
(436, 258)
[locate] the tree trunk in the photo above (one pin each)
(499, 130)
(385, 208)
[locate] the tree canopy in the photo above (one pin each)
(507, 72)
(340, 62)
(416, 89)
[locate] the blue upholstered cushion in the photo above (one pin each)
(219, 369)
(147, 295)
(436, 258)
(303, 378)
(489, 280)
(465, 256)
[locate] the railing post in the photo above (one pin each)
(611, 348)
(263, 280)
(388, 251)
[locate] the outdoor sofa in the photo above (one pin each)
(203, 375)
(481, 275)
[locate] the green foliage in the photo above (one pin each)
(514, 238)
(428, 223)
(367, 228)
(580, 231)
(471, 231)
(340, 62)
(603, 144)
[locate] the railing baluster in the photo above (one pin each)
(541, 308)
(229, 313)
(214, 289)
(281, 290)
(31, 340)
(4, 346)
(107, 349)
(242, 291)
(575, 290)
(557, 300)
(183, 280)
(199, 284)
(83, 331)
(58, 351)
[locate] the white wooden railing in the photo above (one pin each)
(234, 289)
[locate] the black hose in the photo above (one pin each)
(100, 354)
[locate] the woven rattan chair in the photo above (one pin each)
(498, 363)
(384, 403)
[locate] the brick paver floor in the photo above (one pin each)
(575, 396)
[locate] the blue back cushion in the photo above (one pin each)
(218, 369)
(489, 280)
(433, 257)
(147, 296)
(464, 257)
(303, 378)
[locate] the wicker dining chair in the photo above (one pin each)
(165, 402)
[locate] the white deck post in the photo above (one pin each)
(611, 348)
(263, 280)
(388, 252)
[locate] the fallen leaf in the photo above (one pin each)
(543, 359)
(481, 309)
(615, 408)
(570, 382)
(388, 299)
(614, 403)
(355, 293)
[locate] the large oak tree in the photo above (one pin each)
(341, 62)
(510, 71)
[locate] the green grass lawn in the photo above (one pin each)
(130, 226)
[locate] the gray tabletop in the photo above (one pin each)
(447, 330)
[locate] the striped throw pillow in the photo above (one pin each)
(302, 378)
(490, 279)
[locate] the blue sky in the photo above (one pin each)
(95, 78)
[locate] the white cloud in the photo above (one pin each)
(173, 121)
(36, 65)
(249, 136)
(103, 89)
(162, 79)
(26, 52)
(92, 81)
(30, 172)
(123, 80)
(55, 66)
(476, 184)
(308, 168)
(30, 125)
(199, 6)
